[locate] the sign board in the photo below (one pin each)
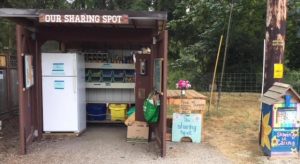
(285, 141)
(84, 18)
(278, 71)
(157, 79)
(58, 69)
(28, 68)
(278, 42)
(59, 84)
(186, 105)
(187, 125)
(2, 61)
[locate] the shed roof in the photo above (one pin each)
(276, 92)
(137, 19)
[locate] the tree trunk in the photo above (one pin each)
(275, 38)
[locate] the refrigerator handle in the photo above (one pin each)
(75, 85)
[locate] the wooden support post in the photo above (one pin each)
(275, 38)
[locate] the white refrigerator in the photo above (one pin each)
(63, 92)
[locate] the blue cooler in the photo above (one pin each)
(96, 112)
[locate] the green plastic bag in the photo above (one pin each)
(151, 109)
(131, 111)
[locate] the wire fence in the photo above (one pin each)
(243, 82)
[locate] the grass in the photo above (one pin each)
(234, 127)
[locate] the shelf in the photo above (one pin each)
(111, 102)
(109, 66)
(110, 85)
(105, 122)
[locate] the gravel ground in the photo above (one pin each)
(107, 145)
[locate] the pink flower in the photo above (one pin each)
(183, 84)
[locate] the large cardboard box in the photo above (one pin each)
(138, 132)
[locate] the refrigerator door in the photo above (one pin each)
(59, 64)
(60, 107)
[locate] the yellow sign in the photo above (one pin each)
(2, 61)
(278, 42)
(278, 71)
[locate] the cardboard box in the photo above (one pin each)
(138, 132)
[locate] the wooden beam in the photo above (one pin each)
(19, 36)
(108, 35)
(29, 25)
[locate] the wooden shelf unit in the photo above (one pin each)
(110, 66)
(111, 85)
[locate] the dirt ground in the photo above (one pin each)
(231, 136)
(234, 128)
(107, 145)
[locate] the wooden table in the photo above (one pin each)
(191, 103)
(189, 94)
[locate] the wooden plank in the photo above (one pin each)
(113, 85)
(194, 94)
(105, 122)
(110, 66)
(22, 105)
(190, 94)
(185, 105)
(268, 100)
(287, 86)
(278, 89)
(273, 95)
(163, 121)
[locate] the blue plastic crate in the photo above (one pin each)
(96, 111)
(129, 73)
(107, 73)
(119, 73)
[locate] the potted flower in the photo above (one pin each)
(183, 85)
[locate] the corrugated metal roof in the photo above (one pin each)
(20, 13)
(276, 93)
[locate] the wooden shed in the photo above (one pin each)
(280, 121)
(88, 29)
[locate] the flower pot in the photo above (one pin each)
(183, 92)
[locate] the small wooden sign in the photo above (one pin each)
(84, 18)
(187, 105)
(2, 61)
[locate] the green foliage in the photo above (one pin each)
(292, 59)
(195, 27)
(195, 37)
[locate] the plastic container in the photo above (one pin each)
(129, 73)
(107, 79)
(118, 79)
(118, 73)
(96, 112)
(131, 111)
(117, 111)
(107, 73)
